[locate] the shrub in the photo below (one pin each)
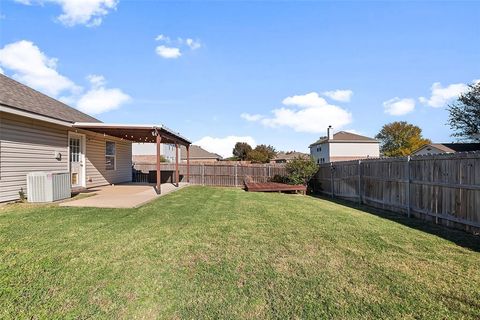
(280, 179)
(300, 170)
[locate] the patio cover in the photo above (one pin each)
(143, 133)
(135, 132)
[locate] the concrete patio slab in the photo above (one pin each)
(121, 196)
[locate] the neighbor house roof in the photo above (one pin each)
(452, 147)
(197, 152)
(343, 136)
(290, 155)
(15, 95)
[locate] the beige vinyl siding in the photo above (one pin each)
(96, 174)
(28, 145)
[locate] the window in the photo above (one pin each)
(110, 155)
(74, 149)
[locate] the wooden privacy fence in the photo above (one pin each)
(440, 188)
(209, 174)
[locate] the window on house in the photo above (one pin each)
(110, 154)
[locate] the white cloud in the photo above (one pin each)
(168, 52)
(442, 95)
(312, 120)
(399, 107)
(193, 44)
(310, 113)
(96, 80)
(86, 12)
(100, 99)
(309, 100)
(339, 95)
(251, 117)
(35, 69)
(162, 37)
(223, 146)
(1, 71)
(175, 47)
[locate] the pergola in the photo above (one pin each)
(144, 133)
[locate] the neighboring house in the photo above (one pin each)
(198, 154)
(168, 151)
(284, 157)
(343, 146)
(39, 133)
(438, 148)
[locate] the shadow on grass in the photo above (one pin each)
(459, 237)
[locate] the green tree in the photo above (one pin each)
(241, 150)
(300, 170)
(400, 139)
(464, 116)
(262, 154)
(256, 156)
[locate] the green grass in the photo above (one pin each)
(224, 253)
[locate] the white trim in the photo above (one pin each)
(34, 116)
(83, 155)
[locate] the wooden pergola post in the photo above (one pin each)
(188, 163)
(176, 164)
(159, 140)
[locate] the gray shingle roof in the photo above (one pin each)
(197, 152)
(19, 96)
(454, 147)
(290, 155)
(343, 136)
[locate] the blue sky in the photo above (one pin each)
(267, 72)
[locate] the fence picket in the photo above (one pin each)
(441, 188)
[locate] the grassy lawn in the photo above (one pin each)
(224, 253)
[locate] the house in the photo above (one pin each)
(284, 157)
(197, 155)
(343, 146)
(200, 155)
(438, 148)
(167, 150)
(39, 133)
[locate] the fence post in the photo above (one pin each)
(203, 174)
(359, 181)
(408, 186)
(236, 175)
(332, 182)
